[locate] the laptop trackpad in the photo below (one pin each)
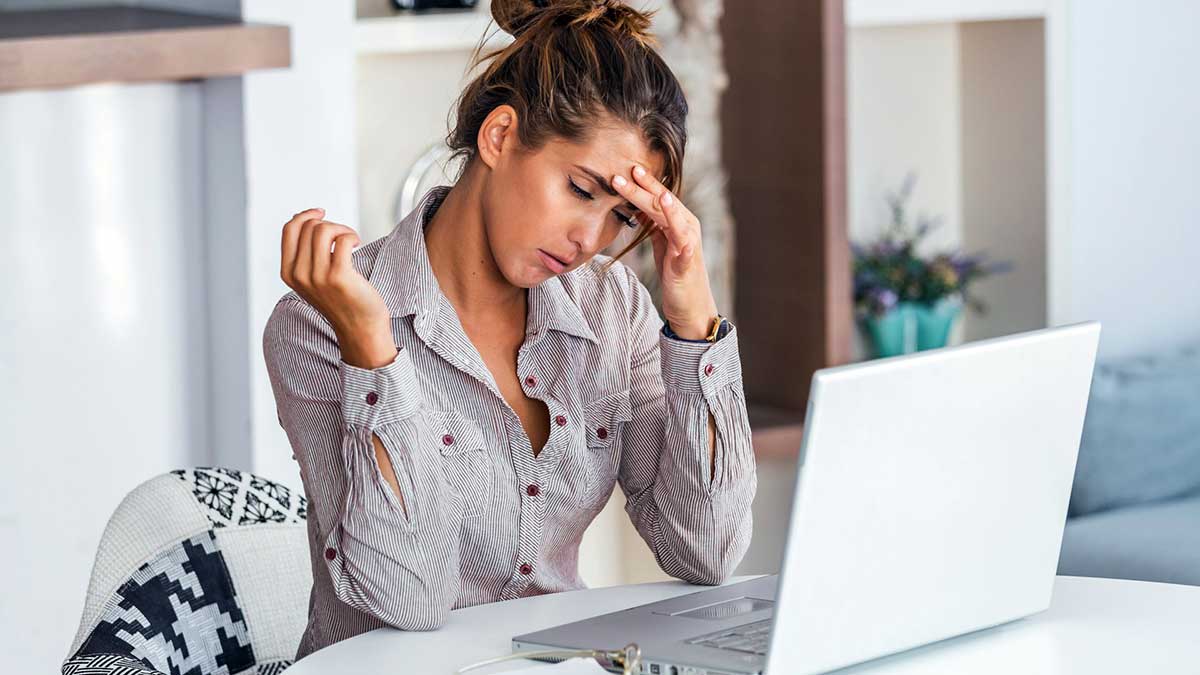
(726, 609)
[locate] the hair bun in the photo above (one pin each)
(514, 16)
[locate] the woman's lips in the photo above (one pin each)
(551, 262)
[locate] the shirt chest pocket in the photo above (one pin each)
(606, 418)
(466, 464)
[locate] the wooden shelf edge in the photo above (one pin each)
(123, 44)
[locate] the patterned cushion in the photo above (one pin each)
(106, 664)
(231, 497)
(179, 612)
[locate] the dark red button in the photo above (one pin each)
(560, 421)
(602, 432)
(708, 369)
(532, 490)
(372, 397)
(526, 568)
(531, 381)
(330, 554)
(447, 439)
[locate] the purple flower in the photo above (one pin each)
(882, 299)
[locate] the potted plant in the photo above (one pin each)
(905, 302)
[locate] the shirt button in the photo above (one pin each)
(330, 554)
(532, 490)
(602, 433)
(372, 397)
(531, 381)
(447, 439)
(708, 369)
(526, 568)
(560, 421)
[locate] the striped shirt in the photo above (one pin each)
(486, 519)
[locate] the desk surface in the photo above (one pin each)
(1093, 626)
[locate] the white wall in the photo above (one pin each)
(1003, 80)
(1133, 247)
(103, 352)
(143, 227)
(903, 115)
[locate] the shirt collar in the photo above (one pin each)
(402, 275)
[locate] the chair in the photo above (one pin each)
(199, 572)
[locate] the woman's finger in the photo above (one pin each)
(290, 239)
(322, 241)
(302, 268)
(653, 198)
(676, 223)
(343, 246)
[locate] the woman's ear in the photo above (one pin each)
(497, 134)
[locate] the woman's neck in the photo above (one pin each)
(461, 259)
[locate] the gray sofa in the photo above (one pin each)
(1135, 504)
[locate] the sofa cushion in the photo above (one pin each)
(1150, 542)
(1141, 436)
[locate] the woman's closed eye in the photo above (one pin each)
(587, 196)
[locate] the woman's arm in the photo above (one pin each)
(349, 402)
(395, 563)
(687, 463)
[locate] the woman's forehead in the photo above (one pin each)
(611, 151)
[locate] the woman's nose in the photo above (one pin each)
(586, 235)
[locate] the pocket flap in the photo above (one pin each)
(455, 433)
(604, 414)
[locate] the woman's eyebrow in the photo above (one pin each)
(605, 186)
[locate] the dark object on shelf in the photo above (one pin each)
(433, 4)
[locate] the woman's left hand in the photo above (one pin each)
(688, 303)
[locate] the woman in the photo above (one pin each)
(463, 394)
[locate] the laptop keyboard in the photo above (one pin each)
(751, 638)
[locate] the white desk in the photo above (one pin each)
(1093, 627)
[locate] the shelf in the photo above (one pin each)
(891, 12)
(426, 32)
(68, 47)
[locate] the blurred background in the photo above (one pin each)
(874, 177)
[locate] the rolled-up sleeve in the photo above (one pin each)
(401, 568)
(698, 528)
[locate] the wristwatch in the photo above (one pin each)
(720, 326)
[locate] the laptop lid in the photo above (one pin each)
(931, 495)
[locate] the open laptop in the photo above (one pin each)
(930, 499)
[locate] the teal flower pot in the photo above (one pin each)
(935, 321)
(893, 333)
(911, 327)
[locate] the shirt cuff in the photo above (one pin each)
(374, 397)
(700, 368)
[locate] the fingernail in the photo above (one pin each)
(667, 199)
(619, 181)
(639, 171)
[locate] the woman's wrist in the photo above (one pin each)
(696, 326)
(367, 347)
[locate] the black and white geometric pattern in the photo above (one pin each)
(106, 664)
(178, 612)
(231, 497)
(272, 668)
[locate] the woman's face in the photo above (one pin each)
(554, 205)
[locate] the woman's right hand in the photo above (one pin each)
(328, 281)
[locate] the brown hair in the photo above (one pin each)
(570, 61)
